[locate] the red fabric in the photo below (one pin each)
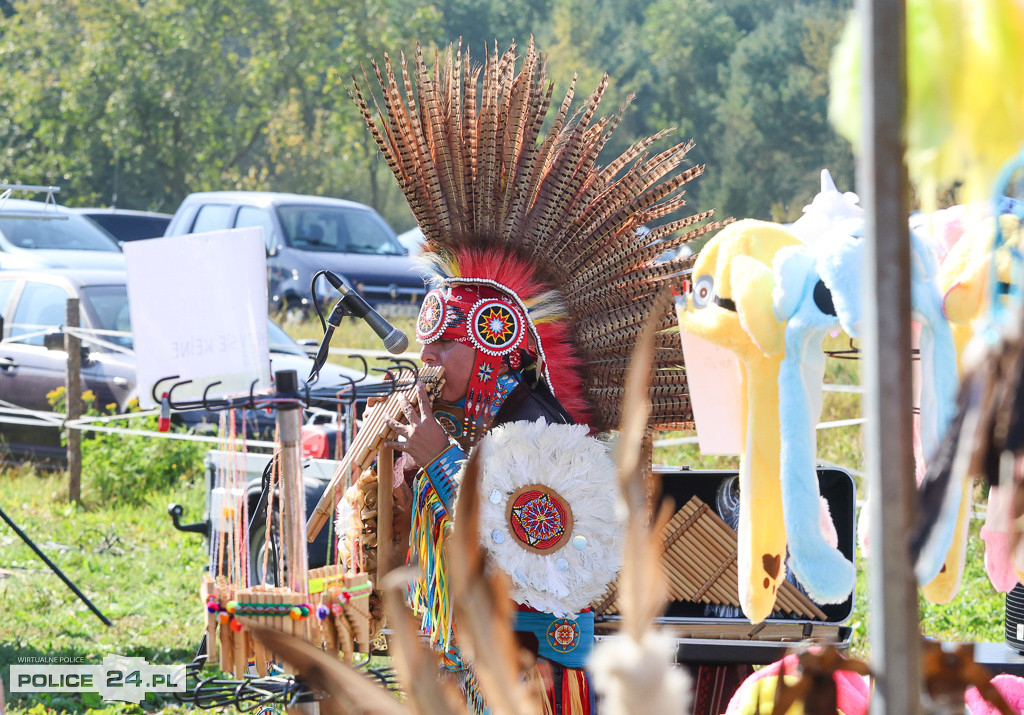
(575, 692)
(714, 685)
(314, 443)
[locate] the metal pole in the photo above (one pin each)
(293, 493)
(883, 186)
(73, 401)
(53, 567)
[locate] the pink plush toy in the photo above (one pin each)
(1011, 687)
(756, 694)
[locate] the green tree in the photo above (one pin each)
(771, 136)
(481, 23)
(146, 102)
(691, 42)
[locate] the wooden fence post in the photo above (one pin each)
(73, 401)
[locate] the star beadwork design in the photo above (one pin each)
(540, 519)
(563, 635)
(496, 325)
(483, 374)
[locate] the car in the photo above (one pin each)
(305, 234)
(43, 234)
(127, 224)
(33, 362)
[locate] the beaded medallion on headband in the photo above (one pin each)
(486, 319)
(535, 245)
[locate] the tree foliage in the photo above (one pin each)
(140, 102)
(771, 124)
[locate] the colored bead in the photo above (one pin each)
(232, 606)
(295, 613)
(322, 611)
(498, 536)
(224, 616)
(495, 496)
(579, 542)
(212, 606)
(562, 565)
(235, 625)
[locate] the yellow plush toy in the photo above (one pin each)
(730, 305)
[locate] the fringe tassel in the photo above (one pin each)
(575, 692)
(474, 698)
(540, 679)
(430, 595)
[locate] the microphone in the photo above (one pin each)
(395, 341)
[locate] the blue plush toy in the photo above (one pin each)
(803, 298)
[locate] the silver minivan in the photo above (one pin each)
(41, 234)
(305, 234)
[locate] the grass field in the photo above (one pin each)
(130, 562)
(144, 575)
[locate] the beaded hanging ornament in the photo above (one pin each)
(536, 247)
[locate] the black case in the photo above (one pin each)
(703, 637)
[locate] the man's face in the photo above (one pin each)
(457, 360)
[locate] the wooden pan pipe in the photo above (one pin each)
(366, 445)
(699, 564)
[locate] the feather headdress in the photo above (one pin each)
(533, 216)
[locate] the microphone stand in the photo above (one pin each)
(333, 321)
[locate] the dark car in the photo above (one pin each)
(33, 362)
(127, 224)
(42, 234)
(305, 234)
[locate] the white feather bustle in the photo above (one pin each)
(578, 467)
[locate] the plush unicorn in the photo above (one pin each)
(803, 299)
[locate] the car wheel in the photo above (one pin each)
(259, 549)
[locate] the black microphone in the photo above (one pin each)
(395, 341)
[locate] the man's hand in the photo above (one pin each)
(423, 438)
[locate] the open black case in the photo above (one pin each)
(718, 634)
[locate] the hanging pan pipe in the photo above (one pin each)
(343, 610)
(699, 564)
(335, 615)
(366, 445)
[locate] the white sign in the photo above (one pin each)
(713, 379)
(198, 308)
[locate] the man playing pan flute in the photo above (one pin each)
(543, 280)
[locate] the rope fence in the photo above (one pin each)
(108, 339)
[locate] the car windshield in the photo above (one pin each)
(63, 232)
(333, 229)
(131, 227)
(110, 305)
